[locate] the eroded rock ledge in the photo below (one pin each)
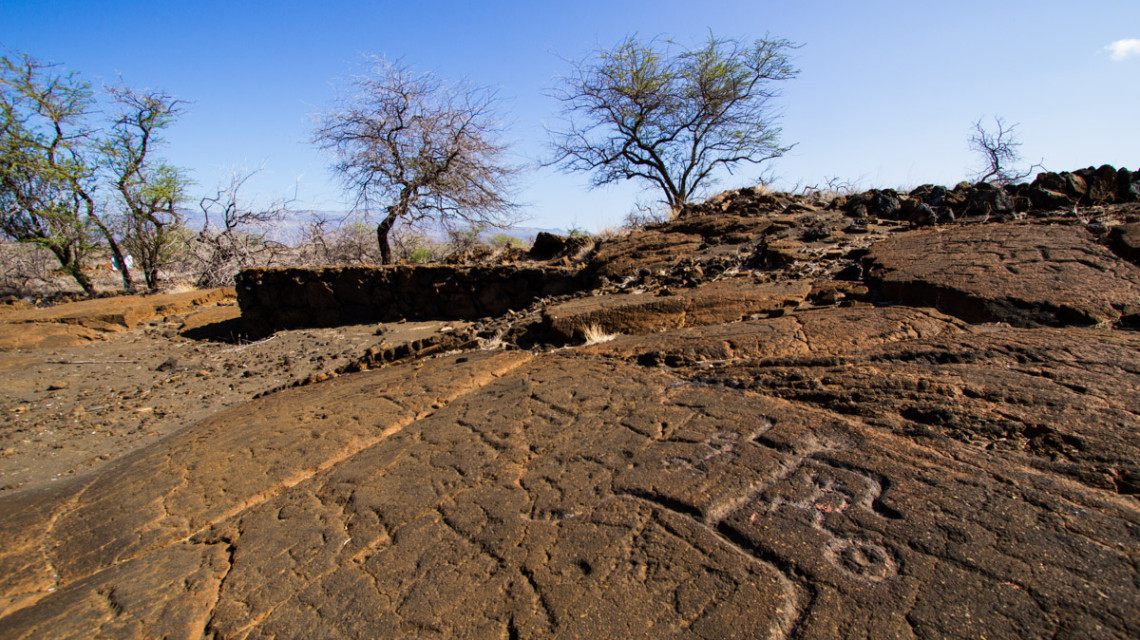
(274, 299)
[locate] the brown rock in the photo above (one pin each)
(650, 250)
(560, 495)
(860, 471)
(1052, 399)
(1124, 240)
(1026, 275)
(718, 302)
(42, 335)
(822, 332)
(213, 315)
(124, 312)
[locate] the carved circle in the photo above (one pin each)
(862, 559)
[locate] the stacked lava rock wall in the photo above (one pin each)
(272, 299)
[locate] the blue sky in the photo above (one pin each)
(886, 96)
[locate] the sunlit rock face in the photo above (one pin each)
(764, 419)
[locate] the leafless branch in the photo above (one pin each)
(420, 148)
(999, 151)
(234, 233)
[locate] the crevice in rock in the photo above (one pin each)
(208, 630)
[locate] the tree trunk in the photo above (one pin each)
(150, 274)
(116, 252)
(70, 265)
(382, 230)
(83, 280)
(117, 255)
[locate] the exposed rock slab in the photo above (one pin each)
(66, 410)
(822, 472)
(1026, 275)
(1066, 401)
(44, 335)
(116, 314)
(650, 250)
(508, 495)
(81, 322)
(641, 313)
(200, 320)
(819, 332)
(662, 247)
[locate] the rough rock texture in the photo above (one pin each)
(68, 408)
(1023, 274)
(762, 454)
(1091, 186)
(281, 298)
(565, 496)
(718, 302)
(823, 332)
(79, 322)
(1125, 241)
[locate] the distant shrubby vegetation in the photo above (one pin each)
(86, 196)
(214, 258)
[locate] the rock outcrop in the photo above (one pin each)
(797, 428)
(87, 320)
(1023, 274)
(931, 204)
(284, 298)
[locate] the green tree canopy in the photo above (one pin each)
(669, 116)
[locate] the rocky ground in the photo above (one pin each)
(85, 382)
(774, 417)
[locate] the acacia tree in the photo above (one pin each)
(148, 188)
(421, 148)
(46, 180)
(999, 151)
(53, 161)
(233, 235)
(671, 117)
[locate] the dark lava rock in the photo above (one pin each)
(281, 298)
(548, 246)
(1125, 241)
(988, 200)
(880, 203)
(1091, 186)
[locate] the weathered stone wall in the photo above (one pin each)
(272, 299)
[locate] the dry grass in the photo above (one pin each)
(595, 335)
(492, 343)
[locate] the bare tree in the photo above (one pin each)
(325, 240)
(45, 178)
(149, 189)
(234, 233)
(314, 246)
(671, 117)
(421, 148)
(645, 214)
(999, 151)
(25, 269)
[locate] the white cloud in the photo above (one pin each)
(1125, 48)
